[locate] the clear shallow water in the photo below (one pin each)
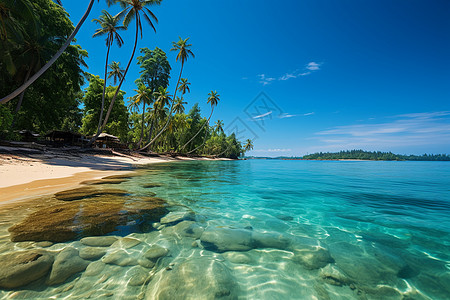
(303, 230)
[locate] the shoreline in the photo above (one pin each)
(26, 175)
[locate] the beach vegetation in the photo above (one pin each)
(36, 34)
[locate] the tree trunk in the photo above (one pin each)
(19, 104)
(212, 110)
(24, 86)
(142, 128)
(103, 97)
(170, 112)
(121, 81)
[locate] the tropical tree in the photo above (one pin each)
(184, 52)
(46, 104)
(116, 72)
(248, 145)
(61, 50)
(213, 100)
(218, 127)
(155, 73)
(91, 109)
(132, 10)
(109, 27)
(184, 86)
(143, 95)
(178, 107)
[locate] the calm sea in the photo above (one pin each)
(272, 229)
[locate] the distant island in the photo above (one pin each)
(363, 155)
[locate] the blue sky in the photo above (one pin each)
(306, 76)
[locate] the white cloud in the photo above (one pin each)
(313, 66)
(307, 70)
(265, 80)
(263, 115)
(409, 130)
(287, 115)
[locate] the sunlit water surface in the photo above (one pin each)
(335, 230)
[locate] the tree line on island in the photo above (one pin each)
(365, 155)
(37, 35)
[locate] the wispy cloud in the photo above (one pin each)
(265, 80)
(263, 115)
(287, 115)
(308, 69)
(313, 66)
(426, 129)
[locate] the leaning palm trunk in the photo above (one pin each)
(24, 86)
(142, 128)
(103, 97)
(170, 114)
(212, 110)
(204, 142)
(19, 104)
(120, 84)
(228, 148)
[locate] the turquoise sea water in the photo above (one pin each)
(270, 229)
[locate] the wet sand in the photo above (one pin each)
(25, 175)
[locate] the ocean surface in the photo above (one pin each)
(268, 229)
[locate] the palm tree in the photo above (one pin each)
(132, 9)
(143, 95)
(183, 54)
(116, 72)
(184, 86)
(178, 107)
(219, 126)
(248, 145)
(162, 98)
(35, 51)
(213, 100)
(39, 73)
(109, 27)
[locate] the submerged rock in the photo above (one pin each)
(197, 278)
(126, 243)
(314, 258)
(87, 192)
(184, 228)
(137, 276)
(332, 275)
(227, 239)
(151, 185)
(120, 258)
(124, 176)
(89, 217)
(94, 268)
(156, 252)
(146, 263)
(66, 264)
(103, 181)
(92, 253)
(44, 244)
(21, 268)
(237, 257)
(270, 240)
(98, 241)
(178, 216)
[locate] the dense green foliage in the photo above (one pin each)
(118, 124)
(31, 32)
(52, 102)
(367, 155)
